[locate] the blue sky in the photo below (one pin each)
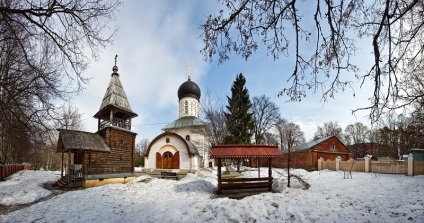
(155, 42)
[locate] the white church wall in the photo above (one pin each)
(146, 163)
(174, 144)
(188, 106)
(196, 137)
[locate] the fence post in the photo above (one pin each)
(338, 158)
(320, 164)
(367, 163)
(410, 165)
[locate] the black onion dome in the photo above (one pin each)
(189, 89)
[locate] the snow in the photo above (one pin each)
(367, 197)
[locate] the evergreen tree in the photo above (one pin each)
(239, 120)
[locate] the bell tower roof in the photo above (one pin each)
(115, 98)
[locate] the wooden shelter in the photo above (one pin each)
(79, 147)
(258, 152)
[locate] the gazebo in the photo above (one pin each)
(236, 151)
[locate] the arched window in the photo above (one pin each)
(167, 140)
(187, 137)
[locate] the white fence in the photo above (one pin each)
(408, 167)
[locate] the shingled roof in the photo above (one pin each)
(115, 96)
(79, 140)
(237, 151)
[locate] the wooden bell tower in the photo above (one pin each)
(114, 125)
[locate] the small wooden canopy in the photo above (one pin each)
(245, 151)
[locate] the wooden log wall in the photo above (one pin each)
(121, 158)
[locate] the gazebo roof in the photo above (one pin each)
(238, 151)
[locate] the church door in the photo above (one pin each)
(167, 160)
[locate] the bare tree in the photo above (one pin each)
(213, 112)
(290, 136)
(271, 139)
(265, 115)
(73, 29)
(329, 129)
(394, 29)
(70, 118)
(140, 151)
(44, 48)
(358, 132)
(142, 146)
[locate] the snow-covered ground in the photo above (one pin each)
(367, 197)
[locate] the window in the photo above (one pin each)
(333, 147)
(167, 140)
(187, 137)
(186, 107)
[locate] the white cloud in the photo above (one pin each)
(155, 42)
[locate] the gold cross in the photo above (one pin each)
(188, 65)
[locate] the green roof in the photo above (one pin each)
(192, 148)
(186, 121)
(418, 154)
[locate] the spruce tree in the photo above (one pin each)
(239, 119)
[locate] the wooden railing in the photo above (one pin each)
(122, 123)
(245, 183)
(74, 170)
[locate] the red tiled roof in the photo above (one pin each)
(245, 151)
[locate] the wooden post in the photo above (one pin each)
(259, 168)
(61, 173)
(219, 176)
(269, 175)
(129, 122)
(69, 167)
(111, 117)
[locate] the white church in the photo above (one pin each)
(184, 143)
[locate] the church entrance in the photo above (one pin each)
(167, 160)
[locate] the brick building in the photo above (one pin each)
(306, 155)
